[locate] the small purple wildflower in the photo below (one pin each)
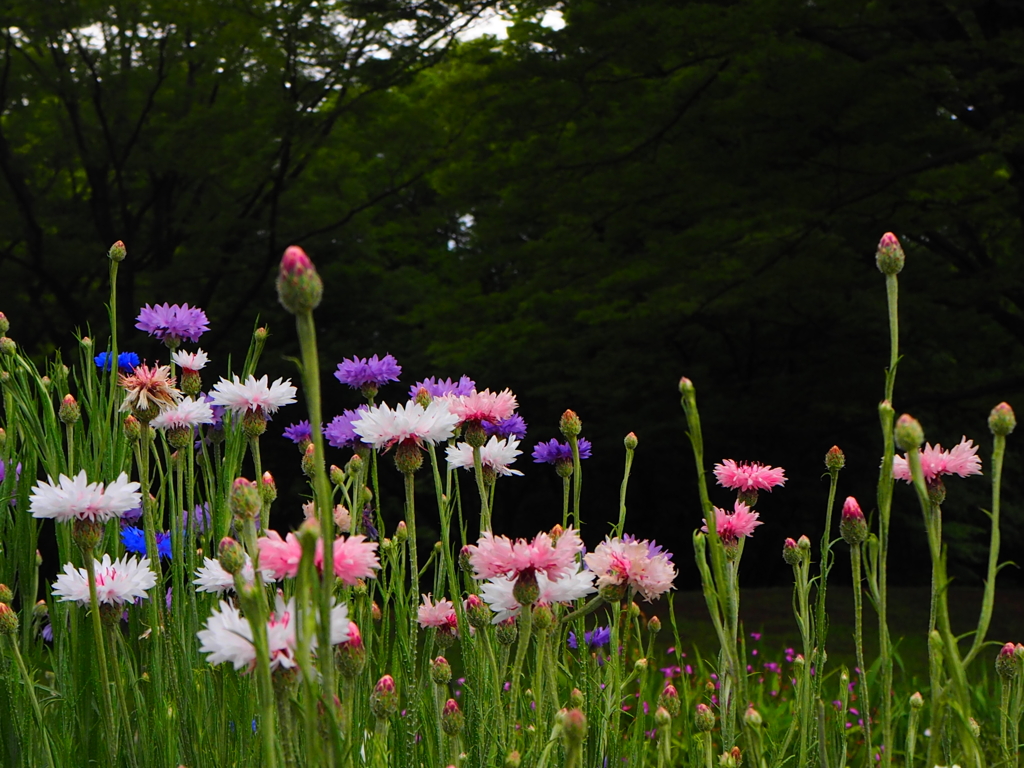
(594, 639)
(126, 361)
(442, 387)
(513, 426)
(299, 433)
(553, 451)
(359, 372)
(172, 324)
(200, 517)
(339, 432)
(755, 635)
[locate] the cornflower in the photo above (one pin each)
(148, 391)
(339, 432)
(117, 582)
(593, 639)
(495, 556)
(256, 396)
(500, 592)
(382, 427)
(126, 361)
(750, 476)
(172, 324)
(443, 387)
(439, 615)
(495, 455)
(134, 540)
(513, 426)
(625, 562)
(960, 460)
(553, 451)
(732, 526)
(78, 499)
(354, 556)
(484, 406)
(368, 375)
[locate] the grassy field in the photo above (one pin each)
(770, 613)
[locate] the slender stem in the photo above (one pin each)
(525, 628)
(827, 558)
(577, 482)
(858, 635)
(565, 502)
(30, 689)
(101, 653)
(622, 492)
(987, 600)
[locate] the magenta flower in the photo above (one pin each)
(640, 565)
(732, 526)
(354, 557)
(172, 323)
(960, 460)
(439, 615)
(359, 372)
(499, 556)
(749, 477)
(443, 387)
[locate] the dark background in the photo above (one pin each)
(583, 215)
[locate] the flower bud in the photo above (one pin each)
(703, 719)
(908, 433)
(87, 534)
(1006, 661)
(3, 438)
(132, 429)
(408, 457)
(563, 468)
(526, 590)
(1002, 421)
(191, 382)
(254, 423)
(8, 620)
(791, 553)
(570, 424)
(244, 499)
(7, 346)
(669, 699)
(337, 474)
(835, 459)
(440, 671)
(513, 760)
(853, 527)
(5, 325)
(889, 257)
(975, 726)
(686, 388)
(117, 252)
(401, 532)
(543, 618)
(384, 699)
(654, 625)
(268, 488)
(5, 594)
(477, 612)
(752, 717)
(309, 461)
(452, 719)
(574, 725)
(576, 698)
(69, 411)
(375, 612)
(232, 556)
(916, 700)
(731, 759)
(505, 631)
(804, 544)
(299, 287)
(662, 719)
(351, 654)
(630, 441)
(308, 533)
(640, 665)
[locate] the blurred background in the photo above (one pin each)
(581, 201)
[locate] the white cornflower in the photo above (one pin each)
(497, 592)
(187, 414)
(211, 576)
(254, 395)
(79, 499)
(495, 455)
(117, 582)
(227, 636)
(191, 361)
(382, 427)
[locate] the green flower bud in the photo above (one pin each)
(384, 699)
(908, 433)
(440, 671)
(232, 556)
(8, 620)
(1002, 420)
(703, 719)
(889, 257)
(570, 425)
(244, 499)
(630, 441)
(299, 287)
(452, 719)
(117, 252)
(835, 459)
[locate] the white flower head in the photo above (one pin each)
(117, 582)
(186, 414)
(497, 592)
(79, 499)
(227, 636)
(255, 394)
(495, 455)
(191, 361)
(382, 427)
(211, 576)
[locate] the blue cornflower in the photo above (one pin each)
(513, 426)
(553, 451)
(134, 540)
(594, 639)
(126, 361)
(361, 373)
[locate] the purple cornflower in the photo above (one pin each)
(132, 515)
(442, 387)
(339, 432)
(171, 323)
(653, 548)
(368, 527)
(200, 518)
(299, 433)
(513, 426)
(363, 373)
(126, 361)
(594, 639)
(3, 470)
(552, 451)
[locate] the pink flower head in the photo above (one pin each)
(732, 526)
(499, 556)
(278, 556)
(439, 615)
(641, 565)
(484, 406)
(851, 509)
(961, 460)
(145, 387)
(749, 477)
(295, 261)
(354, 557)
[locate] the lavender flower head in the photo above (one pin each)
(3, 470)
(200, 518)
(443, 387)
(134, 540)
(339, 432)
(362, 373)
(218, 411)
(126, 361)
(553, 451)
(594, 639)
(300, 432)
(172, 323)
(513, 426)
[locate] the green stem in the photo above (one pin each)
(525, 628)
(481, 486)
(622, 492)
(577, 482)
(827, 558)
(858, 637)
(101, 654)
(565, 502)
(30, 690)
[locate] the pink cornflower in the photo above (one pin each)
(439, 615)
(148, 388)
(749, 477)
(119, 581)
(484, 406)
(499, 556)
(732, 526)
(960, 460)
(640, 565)
(354, 557)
